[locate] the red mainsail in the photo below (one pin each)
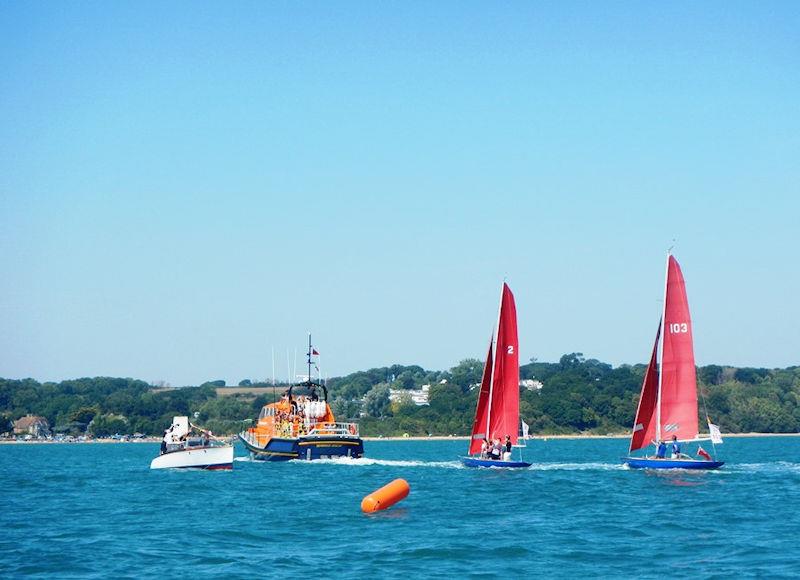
(497, 413)
(504, 409)
(482, 411)
(678, 381)
(644, 426)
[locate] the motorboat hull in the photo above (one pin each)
(655, 463)
(494, 463)
(210, 458)
(308, 448)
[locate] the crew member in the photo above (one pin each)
(507, 453)
(495, 452)
(676, 447)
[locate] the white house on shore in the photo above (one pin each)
(531, 384)
(418, 397)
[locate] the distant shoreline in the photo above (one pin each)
(572, 436)
(51, 442)
(401, 438)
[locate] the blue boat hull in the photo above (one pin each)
(475, 462)
(306, 448)
(652, 463)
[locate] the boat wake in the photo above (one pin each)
(767, 468)
(368, 461)
(576, 467)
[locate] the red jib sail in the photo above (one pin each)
(497, 414)
(644, 426)
(482, 411)
(678, 383)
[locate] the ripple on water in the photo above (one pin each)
(98, 511)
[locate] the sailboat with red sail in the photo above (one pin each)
(497, 412)
(668, 412)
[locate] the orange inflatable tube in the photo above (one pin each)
(385, 497)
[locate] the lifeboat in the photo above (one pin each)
(301, 425)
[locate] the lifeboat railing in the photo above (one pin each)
(349, 429)
(260, 438)
(255, 439)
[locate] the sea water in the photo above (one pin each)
(80, 510)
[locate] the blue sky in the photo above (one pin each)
(184, 186)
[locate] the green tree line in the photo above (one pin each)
(576, 395)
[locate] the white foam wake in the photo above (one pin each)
(577, 466)
(776, 467)
(368, 461)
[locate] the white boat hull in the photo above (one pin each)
(203, 458)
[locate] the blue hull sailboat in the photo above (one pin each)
(666, 463)
(492, 463)
(497, 414)
(667, 412)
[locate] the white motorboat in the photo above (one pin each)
(181, 448)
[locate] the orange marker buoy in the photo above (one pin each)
(385, 497)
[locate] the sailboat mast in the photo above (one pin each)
(661, 349)
(494, 360)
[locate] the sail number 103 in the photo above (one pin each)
(678, 327)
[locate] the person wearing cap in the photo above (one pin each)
(168, 439)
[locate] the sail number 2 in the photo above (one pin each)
(677, 327)
(510, 349)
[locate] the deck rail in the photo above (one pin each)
(260, 439)
(350, 429)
